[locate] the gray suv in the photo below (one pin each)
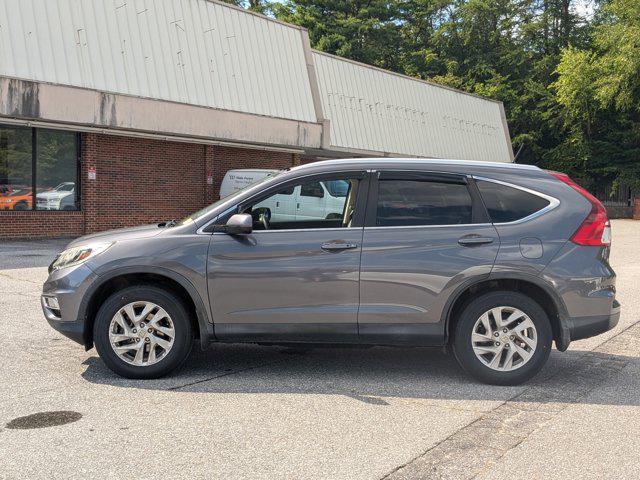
(495, 261)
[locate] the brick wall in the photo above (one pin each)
(139, 181)
(40, 224)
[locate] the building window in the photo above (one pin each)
(38, 169)
(15, 168)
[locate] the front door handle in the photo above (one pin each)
(338, 247)
(472, 240)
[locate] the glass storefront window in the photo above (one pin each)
(15, 168)
(56, 170)
(53, 153)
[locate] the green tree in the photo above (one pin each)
(599, 90)
(259, 6)
(364, 30)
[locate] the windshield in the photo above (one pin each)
(237, 193)
(337, 188)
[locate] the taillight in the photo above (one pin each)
(595, 230)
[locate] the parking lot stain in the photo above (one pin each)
(44, 419)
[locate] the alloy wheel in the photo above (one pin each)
(504, 338)
(141, 333)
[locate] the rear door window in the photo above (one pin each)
(507, 204)
(418, 202)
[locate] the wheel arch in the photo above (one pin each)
(534, 287)
(120, 278)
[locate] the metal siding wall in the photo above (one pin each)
(374, 110)
(188, 51)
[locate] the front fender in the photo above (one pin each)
(203, 315)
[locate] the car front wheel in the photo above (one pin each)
(502, 338)
(143, 332)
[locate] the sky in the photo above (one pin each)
(585, 8)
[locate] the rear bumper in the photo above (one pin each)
(585, 327)
(577, 328)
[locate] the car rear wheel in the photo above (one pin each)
(502, 338)
(143, 332)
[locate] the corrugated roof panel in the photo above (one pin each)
(371, 109)
(189, 51)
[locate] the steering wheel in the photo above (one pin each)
(263, 217)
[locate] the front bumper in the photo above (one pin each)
(73, 329)
(68, 286)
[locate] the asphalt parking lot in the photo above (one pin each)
(244, 411)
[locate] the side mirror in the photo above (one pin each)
(239, 224)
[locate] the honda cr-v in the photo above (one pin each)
(496, 261)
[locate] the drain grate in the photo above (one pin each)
(44, 419)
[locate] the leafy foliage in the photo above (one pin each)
(366, 31)
(599, 90)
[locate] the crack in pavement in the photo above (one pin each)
(10, 277)
(226, 374)
(25, 295)
(475, 447)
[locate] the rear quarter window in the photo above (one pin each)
(508, 204)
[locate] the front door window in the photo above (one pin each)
(309, 204)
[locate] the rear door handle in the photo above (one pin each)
(337, 247)
(470, 240)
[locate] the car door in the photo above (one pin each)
(290, 280)
(425, 235)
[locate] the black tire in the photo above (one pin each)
(181, 323)
(462, 346)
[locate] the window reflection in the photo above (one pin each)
(15, 168)
(56, 169)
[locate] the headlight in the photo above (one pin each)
(77, 255)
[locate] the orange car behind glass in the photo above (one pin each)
(16, 200)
